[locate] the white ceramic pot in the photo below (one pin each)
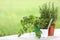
(44, 32)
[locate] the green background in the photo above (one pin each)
(11, 11)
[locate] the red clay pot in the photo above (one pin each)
(51, 30)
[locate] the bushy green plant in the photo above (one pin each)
(47, 12)
(45, 16)
(30, 24)
(54, 13)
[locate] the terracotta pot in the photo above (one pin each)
(51, 30)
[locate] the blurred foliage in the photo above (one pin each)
(29, 25)
(47, 12)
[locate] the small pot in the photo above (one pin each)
(51, 30)
(44, 33)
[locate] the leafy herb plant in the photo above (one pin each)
(47, 12)
(30, 24)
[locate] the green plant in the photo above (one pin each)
(47, 12)
(37, 29)
(30, 24)
(45, 16)
(54, 13)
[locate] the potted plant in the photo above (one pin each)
(30, 24)
(54, 13)
(44, 19)
(48, 17)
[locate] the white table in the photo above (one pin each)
(31, 36)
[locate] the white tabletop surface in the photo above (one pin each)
(31, 36)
